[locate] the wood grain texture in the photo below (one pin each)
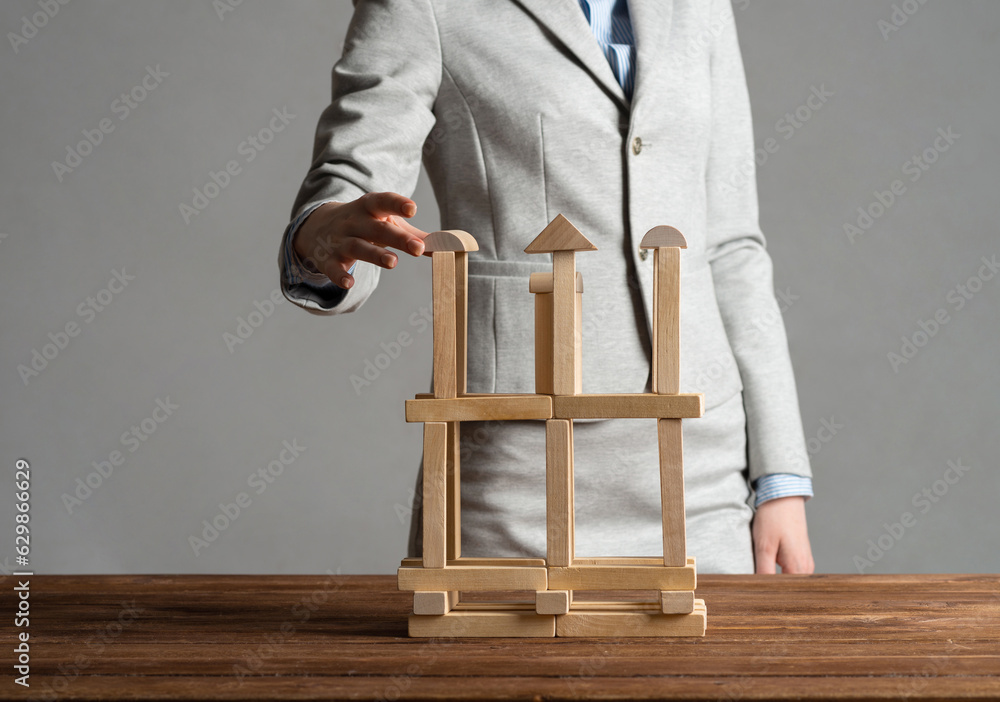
(663, 235)
(435, 517)
(482, 624)
(474, 561)
(482, 408)
(449, 240)
(599, 577)
(559, 235)
(559, 521)
(628, 406)
(543, 343)
(666, 321)
(541, 282)
(324, 637)
(434, 602)
(632, 624)
(565, 331)
(553, 601)
(677, 601)
(453, 497)
(671, 449)
(443, 282)
(471, 578)
(461, 322)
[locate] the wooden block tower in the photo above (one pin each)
(450, 592)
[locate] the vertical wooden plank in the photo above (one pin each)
(672, 491)
(543, 343)
(578, 342)
(454, 491)
(443, 281)
(667, 333)
(559, 492)
(564, 331)
(435, 495)
(656, 307)
(461, 321)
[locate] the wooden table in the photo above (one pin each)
(330, 637)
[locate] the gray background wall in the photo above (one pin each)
(342, 503)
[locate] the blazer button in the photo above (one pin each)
(637, 145)
(643, 254)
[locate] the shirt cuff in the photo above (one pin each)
(775, 485)
(298, 271)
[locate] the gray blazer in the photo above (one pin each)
(517, 116)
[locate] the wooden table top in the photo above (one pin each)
(333, 637)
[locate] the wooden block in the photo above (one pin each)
(436, 602)
(559, 235)
(461, 322)
(666, 320)
(677, 601)
(628, 405)
(661, 236)
(553, 601)
(484, 624)
(559, 517)
(480, 408)
(614, 606)
(624, 560)
(543, 343)
(600, 577)
(449, 240)
(541, 282)
(564, 326)
(578, 345)
(624, 624)
(471, 578)
(507, 562)
(445, 368)
(453, 498)
(670, 439)
(435, 492)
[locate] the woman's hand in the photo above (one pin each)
(337, 234)
(780, 536)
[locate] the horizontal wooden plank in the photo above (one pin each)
(484, 408)
(417, 562)
(631, 624)
(600, 577)
(541, 282)
(628, 406)
(482, 624)
(472, 578)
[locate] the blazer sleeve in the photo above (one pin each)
(370, 138)
(742, 269)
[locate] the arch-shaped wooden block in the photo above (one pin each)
(449, 240)
(661, 236)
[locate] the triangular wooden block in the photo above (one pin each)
(560, 235)
(661, 236)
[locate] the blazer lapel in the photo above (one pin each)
(651, 21)
(565, 20)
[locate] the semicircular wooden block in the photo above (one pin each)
(661, 236)
(449, 240)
